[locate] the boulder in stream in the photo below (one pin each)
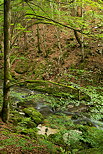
(35, 115)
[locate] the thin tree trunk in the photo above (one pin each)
(6, 89)
(75, 14)
(82, 46)
(38, 40)
(25, 46)
(57, 29)
(44, 41)
(77, 38)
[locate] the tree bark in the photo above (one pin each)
(77, 38)
(38, 39)
(6, 85)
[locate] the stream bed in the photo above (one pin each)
(22, 97)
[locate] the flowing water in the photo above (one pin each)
(19, 95)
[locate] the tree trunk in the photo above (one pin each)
(6, 89)
(77, 38)
(38, 40)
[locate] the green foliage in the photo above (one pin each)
(35, 115)
(96, 101)
(67, 139)
(65, 94)
(1, 100)
(48, 144)
(60, 121)
(17, 95)
(16, 142)
(23, 67)
(91, 151)
(1, 54)
(78, 75)
(72, 137)
(13, 58)
(13, 140)
(26, 123)
(5, 132)
(31, 132)
(8, 141)
(94, 137)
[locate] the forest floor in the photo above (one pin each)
(56, 57)
(15, 143)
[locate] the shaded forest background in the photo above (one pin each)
(44, 49)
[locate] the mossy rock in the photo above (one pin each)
(35, 115)
(24, 122)
(22, 67)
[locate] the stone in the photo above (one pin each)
(35, 115)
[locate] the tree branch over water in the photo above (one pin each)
(42, 81)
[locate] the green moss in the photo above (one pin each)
(27, 123)
(1, 56)
(1, 74)
(35, 115)
(40, 68)
(94, 137)
(22, 67)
